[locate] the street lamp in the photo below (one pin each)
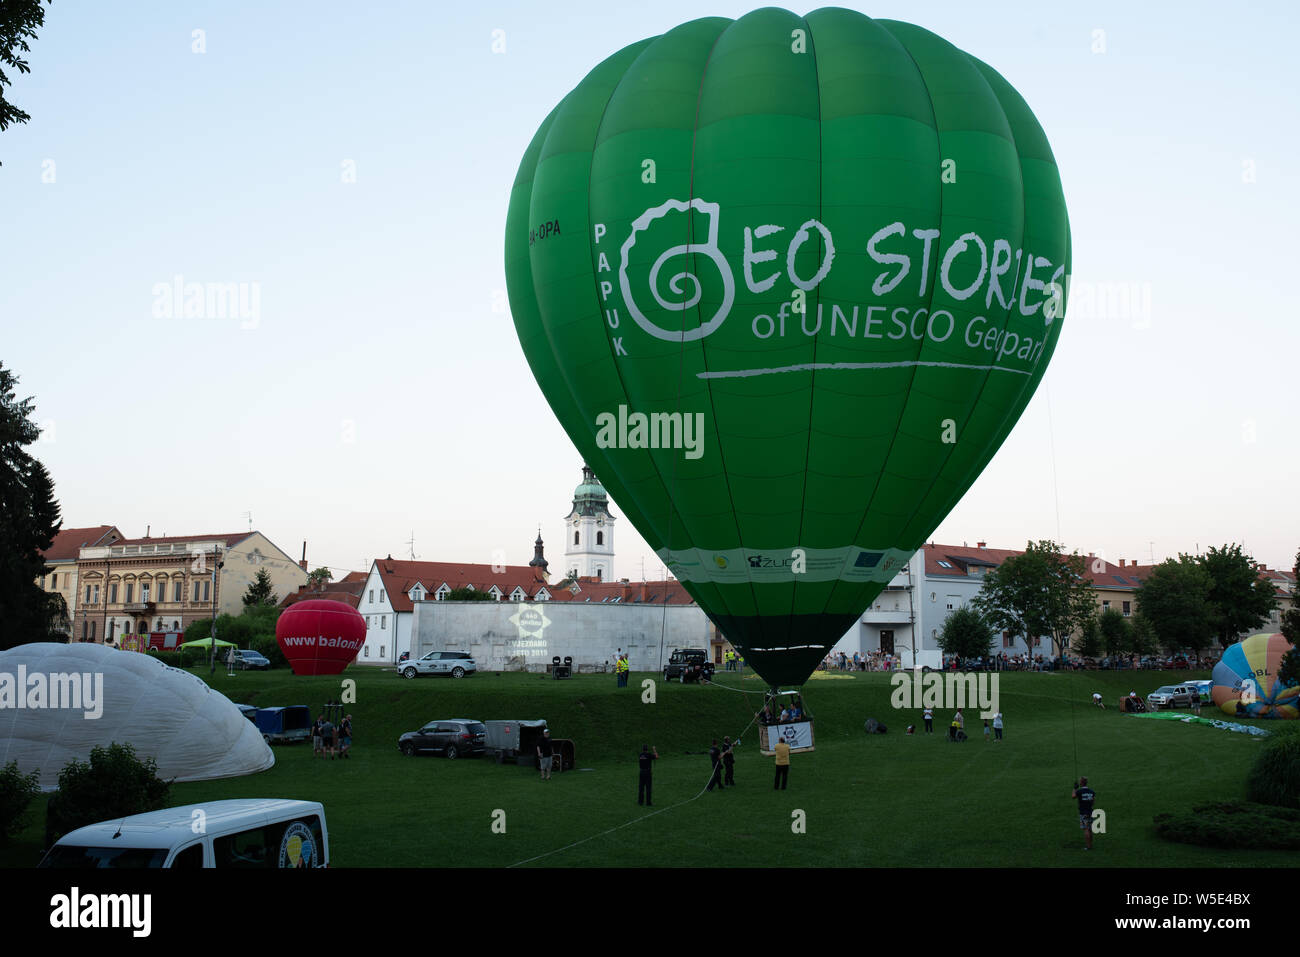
(212, 647)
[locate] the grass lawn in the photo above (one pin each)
(884, 800)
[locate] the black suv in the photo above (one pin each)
(688, 664)
(456, 737)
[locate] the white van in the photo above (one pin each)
(256, 832)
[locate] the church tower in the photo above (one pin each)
(589, 532)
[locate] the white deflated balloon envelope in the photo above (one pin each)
(57, 702)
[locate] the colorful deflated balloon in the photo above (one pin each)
(788, 282)
(1246, 681)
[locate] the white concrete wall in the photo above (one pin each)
(513, 636)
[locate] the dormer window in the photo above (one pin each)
(442, 592)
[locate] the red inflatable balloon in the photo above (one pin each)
(320, 637)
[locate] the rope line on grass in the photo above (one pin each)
(643, 817)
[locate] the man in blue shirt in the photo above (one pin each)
(1086, 796)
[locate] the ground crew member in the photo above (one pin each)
(1086, 796)
(715, 756)
(728, 763)
(646, 760)
(782, 764)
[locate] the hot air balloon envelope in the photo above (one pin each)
(320, 636)
(788, 282)
(1246, 681)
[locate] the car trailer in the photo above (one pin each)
(514, 740)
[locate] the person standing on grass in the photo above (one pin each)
(345, 737)
(1086, 797)
(987, 729)
(715, 756)
(928, 716)
(327, 736)
(997, 727)
(782, 765)
(728, 762)
(646, 760)
(545, 754)
(315, 736)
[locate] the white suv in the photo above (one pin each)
(456, 664)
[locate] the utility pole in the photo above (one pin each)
(212, 646)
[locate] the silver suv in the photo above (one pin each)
(1173, 696)
(456, 664)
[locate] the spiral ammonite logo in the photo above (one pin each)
(677, 283)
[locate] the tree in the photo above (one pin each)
(16, 793)
(319, 578)
(19, 20)
(1089, 643)
(966, 634)
(261, 590)
(1289, 671)
(1173, 603)
(1039, 592)
(113, 785)
(29, 520)
(1115, 633)
(1240, 599)
(468, 593)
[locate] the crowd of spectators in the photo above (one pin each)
(883, 661)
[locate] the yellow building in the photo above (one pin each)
(135, 586)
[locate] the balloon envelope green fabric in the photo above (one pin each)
(788, 283)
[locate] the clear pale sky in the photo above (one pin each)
(381, 391)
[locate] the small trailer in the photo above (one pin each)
(284, 725)
(517, 741)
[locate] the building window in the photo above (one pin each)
(1037, 641)
(96, 587)
(381, 651)
(92, 631)
(1105, 606)
(372, 597)
(130, 592)
(87, 599)
(383, 622)
(144, 594)
(382, 599)
(207, 591)
(84, 627)
(1127, 606)
(112, 595)
(600, 538)
(54, 581)
(112, 626)
(365, 651)
(176, 591)
(367, 622)
(575, 538)
(1007, 640)
(176, 625)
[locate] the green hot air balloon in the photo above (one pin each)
(788, 283)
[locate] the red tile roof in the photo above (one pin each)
(67, 545)
(400, 577)
(346, 591)
(625, 593)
